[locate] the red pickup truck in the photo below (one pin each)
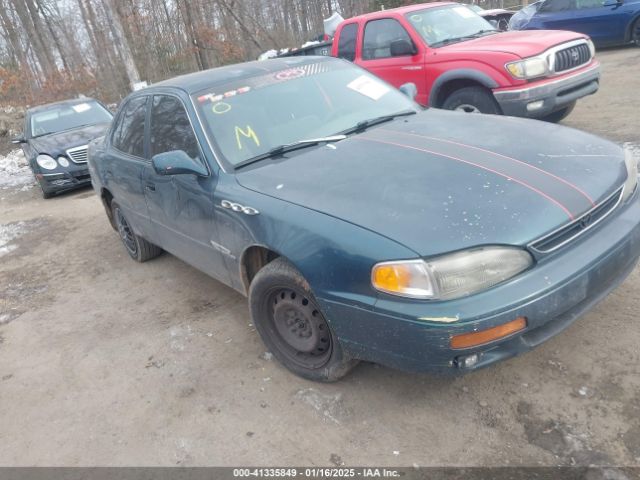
(459, 61)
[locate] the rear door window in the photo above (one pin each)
(128, 136)
(347, 42)
(170, 127)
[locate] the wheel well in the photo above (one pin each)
(106, 198)
(451, 86)
(632, 25)
(253, 259)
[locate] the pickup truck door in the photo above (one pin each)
(125, 162)
(181, 207)
(379, 55)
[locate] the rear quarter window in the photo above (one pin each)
(347, 42)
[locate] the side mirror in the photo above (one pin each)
(177, 162)
(18, 140)
(410, 90)
(401, 48)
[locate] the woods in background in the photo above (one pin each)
(53, 49)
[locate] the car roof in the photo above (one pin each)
(398, 11)
(61, 103)
(195, 82)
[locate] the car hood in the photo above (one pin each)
(520, 43)
(56, 143)
(444, 181)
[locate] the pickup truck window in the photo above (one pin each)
(128, 136)
(378, 36)
(170, 127)
(347, 42)
(440, 26)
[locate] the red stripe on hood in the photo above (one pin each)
(521, 182)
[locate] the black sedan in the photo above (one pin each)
(55, 142)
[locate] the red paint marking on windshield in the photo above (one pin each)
(524, 184)
(491, 152)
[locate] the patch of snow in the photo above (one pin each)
(8, 233)
(15, 172)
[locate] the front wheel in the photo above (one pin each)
(292, 325)
(559, 115)
(635, 33)
(472, 100)
(137, 247)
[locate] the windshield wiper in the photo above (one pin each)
(289, 147)
(450, 40)
(364, 124)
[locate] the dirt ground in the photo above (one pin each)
(107, 362)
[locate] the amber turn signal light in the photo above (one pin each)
(474, 339)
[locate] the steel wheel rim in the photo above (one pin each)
(126, 234)
(465, 107)
(298, 328)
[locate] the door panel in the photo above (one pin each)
(376, 55)
(125, 163)
(181, 206)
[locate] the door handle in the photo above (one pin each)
(150, 186)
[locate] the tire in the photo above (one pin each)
(559, 115)
(137, 247)
(635, 33)
(292, 326)
(472, 100)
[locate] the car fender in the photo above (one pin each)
(459, 74)
(628, 32)
(334, 256)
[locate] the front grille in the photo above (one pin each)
(78, 154)
(572, 57)
(564, 235)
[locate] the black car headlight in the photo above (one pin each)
(46, 162)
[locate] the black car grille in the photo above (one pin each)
(572, 57)
(567, 233)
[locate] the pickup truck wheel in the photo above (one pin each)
(472, 100)
(137, 247)
(292, 326)
(555, 117)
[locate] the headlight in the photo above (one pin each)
(528, 68)
(63, 162)
(450, 276)
(592, 47)
(631, 162)
(46, 162)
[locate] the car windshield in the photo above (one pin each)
(68, 116)
(251, 117)
(440, 26)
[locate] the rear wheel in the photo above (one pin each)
(292, 326)
(472, 100)
(559, 115)
(137, 247)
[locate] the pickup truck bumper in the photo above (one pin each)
(547, 96)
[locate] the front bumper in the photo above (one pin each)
(75, 176)
(562, 286)
(554, 94)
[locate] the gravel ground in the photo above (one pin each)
(107, 362)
